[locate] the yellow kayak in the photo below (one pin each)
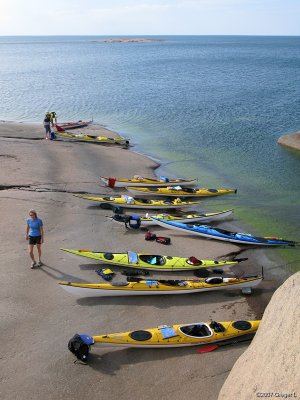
(166, 336)
(92, 138)
(178, 191)
(130, 202)
(150, 261)
(158, 287)
(141, 181)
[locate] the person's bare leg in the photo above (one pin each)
(39, 249)
(30, 250)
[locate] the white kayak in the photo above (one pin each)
(158, 287)
(139, 181)
(147, 220)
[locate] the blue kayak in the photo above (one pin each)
(222, 234)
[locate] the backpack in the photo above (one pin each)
(79, 347)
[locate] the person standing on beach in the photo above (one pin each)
(53, 118)
(35, 235)
(47, 126)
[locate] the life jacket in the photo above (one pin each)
(150, 236)
(163, 240)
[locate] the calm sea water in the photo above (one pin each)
(209, 106)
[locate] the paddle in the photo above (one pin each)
(212, 347)
(207, 349)
(240, 259)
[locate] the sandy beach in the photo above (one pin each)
(38, 317)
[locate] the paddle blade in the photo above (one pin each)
(207, 349)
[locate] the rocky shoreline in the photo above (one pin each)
(269, 368)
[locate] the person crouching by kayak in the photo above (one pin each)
(47, 126)
(35, 235)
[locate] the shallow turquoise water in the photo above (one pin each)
(212, 106)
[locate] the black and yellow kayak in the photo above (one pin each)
(130, 202)
(150, 261)
(166, 336)
(158, 287)
(178, 191)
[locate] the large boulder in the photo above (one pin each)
(270, 367)
(292, 141)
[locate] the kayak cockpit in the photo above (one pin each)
(152, 259)
(196, 330)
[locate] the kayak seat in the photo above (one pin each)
(225, 232)
(174, 282)
(145, 201)
(189, 190)
(214, 280)
(193, 261)
(152, 259)
(196, 330)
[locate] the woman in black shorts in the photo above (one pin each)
(35, 235)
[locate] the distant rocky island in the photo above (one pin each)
(129, 40)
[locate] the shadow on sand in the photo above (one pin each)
(112, 361)
(59, 275)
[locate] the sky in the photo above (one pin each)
(149, 17)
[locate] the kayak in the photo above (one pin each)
(158, 287)
(166, 336)
(130, 202)
(178, 191)
(187, 218)
(222, 234)
(91, 138)
(150, 261)
(72, 125)
(140, 181)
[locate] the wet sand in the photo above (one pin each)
(38, 317)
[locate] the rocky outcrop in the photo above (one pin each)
(292, 141)
(270, 367)
(129, 40)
